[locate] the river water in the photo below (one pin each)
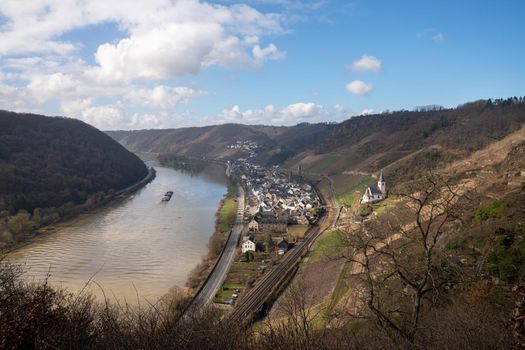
(139, 245)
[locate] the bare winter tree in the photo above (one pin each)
(404, 272)
(293, 328)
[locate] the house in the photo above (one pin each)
(282, 246)
(253, 226)
(273, 223)
(248, 245)
(375, 193)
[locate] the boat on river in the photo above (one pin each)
(167, 196)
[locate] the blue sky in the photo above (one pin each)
(162, 63)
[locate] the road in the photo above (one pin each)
(207, 292)
(254, 299)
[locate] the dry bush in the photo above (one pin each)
(198, 274)
(37, 316)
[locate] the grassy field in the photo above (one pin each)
(344, 189)
(226, 291)
(381, 207)
(228, 210)
(296, 232)
(330, 245)
(321, 165)
(240, 276)
(340, 289)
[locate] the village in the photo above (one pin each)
(280, 207)
(250, 147)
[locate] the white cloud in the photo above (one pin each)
(163, 96)
(339, 108)
(358, 87)
(367, 111)
(293, 4)
(367, 64)
(113, 116)
(174, 50)
(146, 121)
(103, 117)
(164, 38)
(159, 40)
(271, 51)
(270, 115)
(44, 86)
(302, 111)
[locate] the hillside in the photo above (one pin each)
(359, 144)
(366, 276)
(475, 288)
(50, 161)
(210, 141)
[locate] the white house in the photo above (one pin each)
(248, 246)
(375, 193)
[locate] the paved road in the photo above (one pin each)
(218, 275)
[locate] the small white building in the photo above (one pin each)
(375, 193)
(248, 246)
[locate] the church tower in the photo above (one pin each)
(381, 184)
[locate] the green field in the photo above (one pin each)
(232, 189)
(240, 276)
(296, 232)
(329, 245)
(226, 291)
(228, 210)
(345, 190)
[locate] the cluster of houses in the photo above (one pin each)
(275, 199)
(250, 147)
(249, 244)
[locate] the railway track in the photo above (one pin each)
(255, 298)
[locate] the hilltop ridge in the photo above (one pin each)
(362, 143)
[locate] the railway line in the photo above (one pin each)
(255, 298)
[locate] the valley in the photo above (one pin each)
(262, 175)
(298, 243)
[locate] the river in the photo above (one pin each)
(138, 245)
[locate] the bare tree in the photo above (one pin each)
(293, 328)
(403, 270)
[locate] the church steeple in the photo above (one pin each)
(381, 184)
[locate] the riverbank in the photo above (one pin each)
(224, 221)
(95, 203)
(140, 246)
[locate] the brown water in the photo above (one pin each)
(137, 245)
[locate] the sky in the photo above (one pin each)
(138, 64)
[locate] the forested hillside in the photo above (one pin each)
(50, 161)
(369, 143)
(363, 143)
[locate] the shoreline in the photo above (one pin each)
(47, 230)
(198, 276)
(190, 292)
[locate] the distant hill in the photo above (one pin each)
(209, 141)
(359, 144)
(50, 161)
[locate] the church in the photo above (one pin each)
(375, 193)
